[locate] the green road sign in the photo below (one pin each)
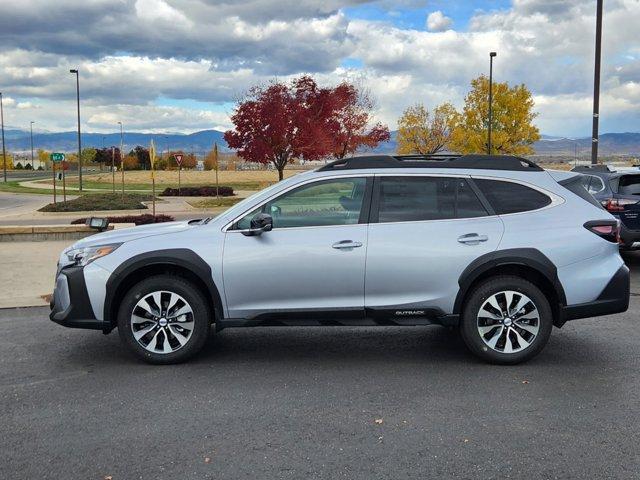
(57, 157)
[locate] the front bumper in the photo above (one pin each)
(70, 304)
(613, 299)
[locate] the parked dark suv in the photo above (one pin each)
(618, 190)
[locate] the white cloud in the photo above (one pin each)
(438, 22)
(177, 64)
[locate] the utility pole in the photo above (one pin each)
(596, 85)
(491, 55)
(4, 152)
(31, 127)
(75, 71)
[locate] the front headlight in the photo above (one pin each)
(84, 256)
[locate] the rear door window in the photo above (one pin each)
(510, 197)
(411, 199)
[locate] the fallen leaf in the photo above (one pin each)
(525, 382)
(378, 421)
(108, 477)
(466, 440)
(207, 460)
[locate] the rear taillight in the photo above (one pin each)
(617, 204)
(607, 229)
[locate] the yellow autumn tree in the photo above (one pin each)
(513, 132)
(9, 160)
(423, 132)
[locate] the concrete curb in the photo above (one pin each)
(41, 233)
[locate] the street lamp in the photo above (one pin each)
(31, 127)
(596, 85)
(4, 153)
(491, 55)
(75, 71)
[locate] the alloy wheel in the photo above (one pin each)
(508, 322)
(162, 322)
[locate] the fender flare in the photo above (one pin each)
(528, 257)
(178, 257)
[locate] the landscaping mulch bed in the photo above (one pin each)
(205, 191)
(143, 219)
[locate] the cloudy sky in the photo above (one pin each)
(179, 65)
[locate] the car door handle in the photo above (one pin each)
(345, 244)
(472, 239)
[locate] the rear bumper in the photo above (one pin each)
(613, 299)
(70, 304)
(630, 238)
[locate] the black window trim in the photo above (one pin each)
(375, 201)
(232, 226)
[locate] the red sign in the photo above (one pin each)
(178, 158)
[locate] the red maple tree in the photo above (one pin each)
(349, 126)
(280, 122)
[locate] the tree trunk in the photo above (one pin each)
(280, 173)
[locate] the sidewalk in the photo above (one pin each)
(28, 272)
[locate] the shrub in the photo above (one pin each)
(207, 191)
(100, 201)
(143, 219)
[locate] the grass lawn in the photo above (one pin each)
(99, 201)
(141, 180)
(215, 202)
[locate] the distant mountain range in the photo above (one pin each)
(202, 141)
(198, 142)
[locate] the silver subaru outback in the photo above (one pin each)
(492, 245)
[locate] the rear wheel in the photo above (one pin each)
(506, 320)
(164, 319)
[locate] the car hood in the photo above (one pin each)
(134, 233)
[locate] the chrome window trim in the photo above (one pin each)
(555, 199)
(226, 227)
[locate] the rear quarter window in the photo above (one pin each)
(509, 197)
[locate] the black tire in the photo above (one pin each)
(200, 316)
(475, 301)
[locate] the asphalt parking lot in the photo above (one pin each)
(320, 403)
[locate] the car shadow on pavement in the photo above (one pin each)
(432, 345)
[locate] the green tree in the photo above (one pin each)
(421, 132)
(513, 131)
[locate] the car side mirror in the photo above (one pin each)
(260, 223)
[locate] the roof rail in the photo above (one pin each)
(484, 162)
(593, 168)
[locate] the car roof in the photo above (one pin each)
(446, 161)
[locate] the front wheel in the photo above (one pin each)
(506, 320)
(164, 319)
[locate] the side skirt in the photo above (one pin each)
(344, 318)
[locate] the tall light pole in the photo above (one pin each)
(75, 71)
(31, 127)
(4, 152)
(596, 85)
(491, 55)
(122, 158)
